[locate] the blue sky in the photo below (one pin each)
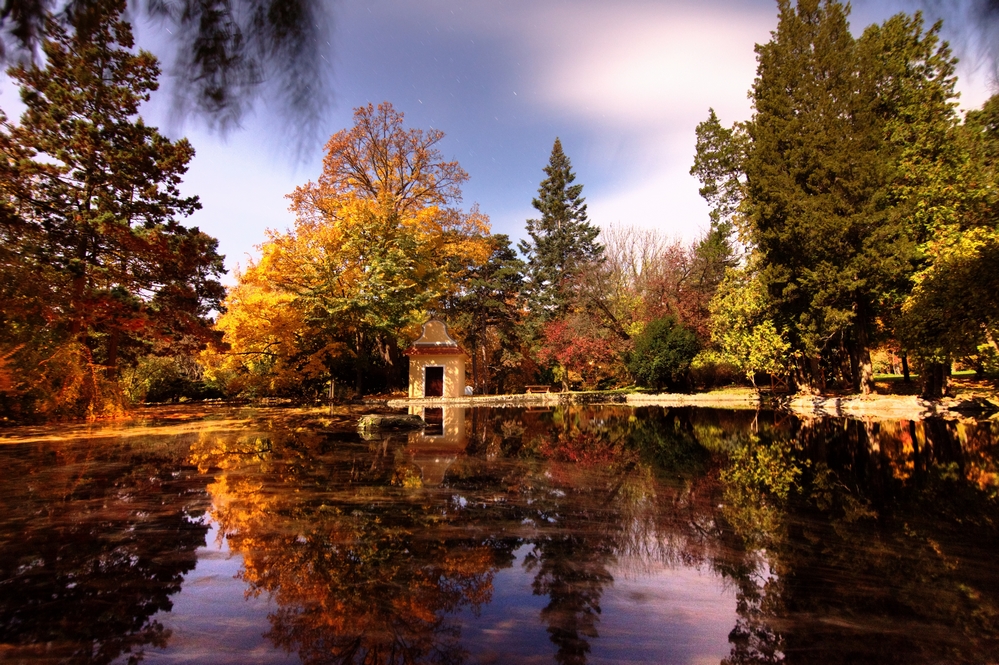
(623, 85)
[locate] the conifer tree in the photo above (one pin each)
(836, 118)
(562, 240)
(487, 311)
(91, 201)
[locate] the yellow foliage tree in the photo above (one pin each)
(374, 246)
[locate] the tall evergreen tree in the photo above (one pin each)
(952, 311)
(562, 240)
(91, 207)
(825, 206)
(718, 164)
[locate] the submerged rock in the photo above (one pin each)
(393, 421)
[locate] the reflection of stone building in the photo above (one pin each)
(437, 446)
(436, 364)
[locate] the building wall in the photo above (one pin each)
(454, 437)
(454, 374)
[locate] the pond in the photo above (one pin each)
(570, 535)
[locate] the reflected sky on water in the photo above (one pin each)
(587, 534)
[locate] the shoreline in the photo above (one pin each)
(885, 407)
(194, 417)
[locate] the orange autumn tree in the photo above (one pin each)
(377, 242)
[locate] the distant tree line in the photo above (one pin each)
(379, 246)
(854, 212)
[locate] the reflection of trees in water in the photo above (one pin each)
(581, 462)
(597, 484)
(362, 571)
(365, 571)
(357, 590)
(846, 541)
(572, 571)
(95, 540)
(880, 549)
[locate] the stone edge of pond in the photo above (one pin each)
(904, 407)
(533, 399)
(721, 400)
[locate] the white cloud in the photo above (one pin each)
(640, 77)
(654, 68)
(661, 194)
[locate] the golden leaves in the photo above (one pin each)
(375, 244)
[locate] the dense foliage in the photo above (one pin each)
(662, 355)
(375, 245)
(95, 270)
(861, 199)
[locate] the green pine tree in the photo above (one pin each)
(562, 240)
(488, 311)
(91, 206)
(836, 118)
(718, 164)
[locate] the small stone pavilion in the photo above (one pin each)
(436, 364)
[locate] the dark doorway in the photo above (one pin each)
(434, 386)
(435, 422)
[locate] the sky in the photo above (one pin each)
(622, 84)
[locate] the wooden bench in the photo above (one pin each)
(537, 389)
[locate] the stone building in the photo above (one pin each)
(436, 363)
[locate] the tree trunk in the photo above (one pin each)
(485, 371)
(860, 358)
(905, 368)
(852, 352)
(816, 380)
(934, 377)
(398, 375)
(112, 370)
(845, 370)
(475, 368)
(485, 356)
(79, 287)
(360, 364)
(802, 378)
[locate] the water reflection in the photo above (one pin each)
(371, 550)
(94, 540)
(507, 533)
(874, 543)
(433, 449)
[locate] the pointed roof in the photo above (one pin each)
(434, 340)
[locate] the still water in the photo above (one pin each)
(589, 534)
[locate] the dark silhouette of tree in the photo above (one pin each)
(91, 196)
(94, 546)
(227, 55)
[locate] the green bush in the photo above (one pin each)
(165, 379)
(662, 355)
(709, 369)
